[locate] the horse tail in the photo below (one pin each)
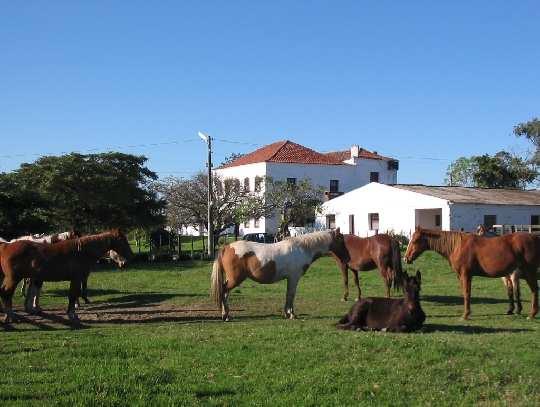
(216, 287)
(397, 276)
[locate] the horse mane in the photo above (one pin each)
(443, 242)
(311, 241)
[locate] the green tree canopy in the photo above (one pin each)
(531, 131)
(94, 191)
(502, 170)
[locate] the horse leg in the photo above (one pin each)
(507, 281)
(36, 309)
(6, 294)
(345, 274)
(24, 286)
(388, 281)
(229, 284)
(357, 284)
(517, 291)
(530, 277)
(84, 289)
(74, 293)
(466, 290)
(292, 283)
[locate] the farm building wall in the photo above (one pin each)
(398, 210)
(469, 216)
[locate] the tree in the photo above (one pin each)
(22, 212)
(230, 158)
(187, 203)
(95, 191)
(531, 131)
(503, 170)
(294, 203)
(461, 172)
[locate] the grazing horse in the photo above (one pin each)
(471, 255)
(511, 282)
(43, 239)
(31, 304)
(268, 263)
(379, 251)
(388, 314)
(68, 260)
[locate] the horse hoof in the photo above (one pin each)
(510, 312)
(292, 316)
(225, 318)
(465, 318)
(344, 299)
(357, 299)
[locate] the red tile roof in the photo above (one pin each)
(284, 151)
(362, 153)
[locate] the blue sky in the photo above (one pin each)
(408, 79)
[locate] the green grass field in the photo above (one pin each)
(152, 337)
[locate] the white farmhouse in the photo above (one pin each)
(337, 172)
(376, 208)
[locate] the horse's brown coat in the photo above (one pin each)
(379, 251)
(470, 255)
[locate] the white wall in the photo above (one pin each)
(469, 216)
(350, 176)
(396, 208)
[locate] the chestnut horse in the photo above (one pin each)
(269, 263)
(68, 260)
(31, 304)
(388, 314)
(379, 251)
(511, 282)
(470, 255)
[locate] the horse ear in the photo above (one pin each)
(338, 232)
(418, 228)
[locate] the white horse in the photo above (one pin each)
(269, 263)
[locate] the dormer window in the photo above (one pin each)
(334, 185)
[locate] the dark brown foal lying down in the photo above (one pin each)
(388, 314)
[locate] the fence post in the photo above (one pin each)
(192, 246)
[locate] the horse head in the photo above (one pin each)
(338, 247)
(412, 286)
(116, 258)
(417, 245)
(121, 247)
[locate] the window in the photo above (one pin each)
(393, 165)
(334, 185)
(535, 219)
(490, 220)
(246, 184)
(373, 219)
(438, 220)
(236, 185)
(373, 177)
(351, 224)
(246, 223)
(291, 181)
(258, 182)
(330, 221)
(256, 223)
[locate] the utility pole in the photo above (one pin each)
(210, 227)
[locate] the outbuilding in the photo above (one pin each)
(399, 208)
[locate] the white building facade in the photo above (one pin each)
(336, 172)
(377, 208)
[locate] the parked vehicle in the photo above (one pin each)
(259, 237)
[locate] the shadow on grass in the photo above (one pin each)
(469, 329)
(458, 299)
(201, 394)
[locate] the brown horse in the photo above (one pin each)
(379, 251)
(388, 314)
(510, 282)
(470, 255)
(269, 263)
(68, 260)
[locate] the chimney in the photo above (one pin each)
(355, 151)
